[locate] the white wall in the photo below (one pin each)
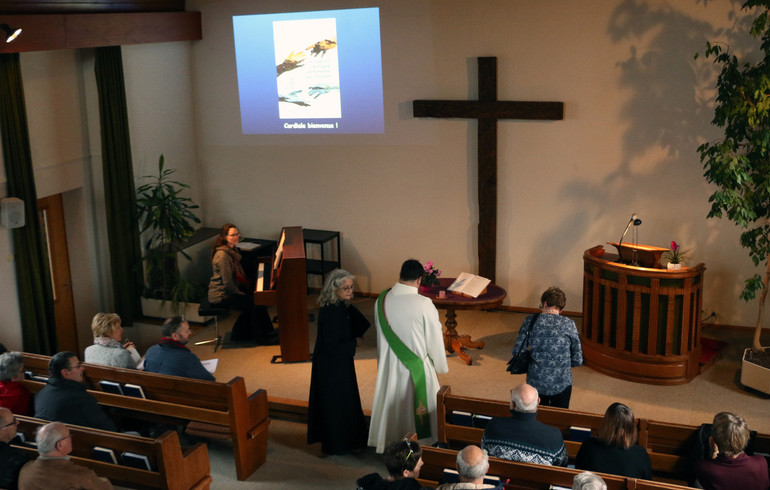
(58, 145)
(636, 107)
(63, 115)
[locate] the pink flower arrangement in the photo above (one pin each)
(430, 274)
(675, 255)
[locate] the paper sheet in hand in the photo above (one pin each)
(210, 365)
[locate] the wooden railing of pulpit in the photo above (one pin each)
(286, 289)
(641, 323)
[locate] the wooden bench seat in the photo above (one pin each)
(527, 475)
(183, 399)
(668, 444)
(171, 467)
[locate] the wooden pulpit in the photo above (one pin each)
(641, 323)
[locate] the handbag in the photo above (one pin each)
(519, 363)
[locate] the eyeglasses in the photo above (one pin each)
(346, 288)
(13, 422)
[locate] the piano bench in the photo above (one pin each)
(205, 309)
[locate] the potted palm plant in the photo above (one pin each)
(166, 220)
(739, 165)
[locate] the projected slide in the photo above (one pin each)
(310, 72)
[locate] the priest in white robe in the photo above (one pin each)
(408, 329)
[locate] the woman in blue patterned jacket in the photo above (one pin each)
(554, 349)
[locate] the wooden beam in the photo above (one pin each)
(489, 109)
(89, 6)
(73, 31)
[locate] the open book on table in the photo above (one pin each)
(469, 285)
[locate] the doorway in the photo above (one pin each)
(55, 239)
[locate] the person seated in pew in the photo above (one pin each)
(13, 394)
(588, 481)
(472, 466)
(614, 450)
(230, 288)
(12, 458)
(53, 468)
(108, 349)
(65, 398)
(171, 356)
(403, 459)
(729, 466)
(521, 437)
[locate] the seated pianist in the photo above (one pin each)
(230, 288)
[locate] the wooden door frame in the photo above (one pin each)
(54, 234)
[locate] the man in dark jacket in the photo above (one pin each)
(11, 459)
(171, 355)
(65, 398)
(522, 437)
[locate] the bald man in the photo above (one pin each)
(12, 458)
(53, 468)
(472, 465)
(521, 437)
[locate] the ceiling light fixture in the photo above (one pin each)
(10, 32)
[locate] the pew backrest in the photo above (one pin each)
(669, 445)
(528, 475)
(170, 467)
(183, 399)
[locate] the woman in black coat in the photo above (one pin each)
(335, 417)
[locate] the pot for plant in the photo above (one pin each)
(754, 375)
(158, 308)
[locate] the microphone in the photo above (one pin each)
(633, 221)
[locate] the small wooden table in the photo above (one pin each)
(453, 342)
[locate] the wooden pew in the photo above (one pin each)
(183, 399)
(527, 475)
(667, 444)
(172, 468)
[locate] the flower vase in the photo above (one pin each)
(673, 267)
(425, 288)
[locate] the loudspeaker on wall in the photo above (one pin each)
(12, 212)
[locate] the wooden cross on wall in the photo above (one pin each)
(488, 110)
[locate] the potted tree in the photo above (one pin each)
(166, 221)
(739, 165)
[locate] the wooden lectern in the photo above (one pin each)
(286, 289)
(641, 323)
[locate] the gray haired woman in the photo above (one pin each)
(335, 417)
(13, 394)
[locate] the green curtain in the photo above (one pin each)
(33, 278)
(119, 192)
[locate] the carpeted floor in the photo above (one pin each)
(293, 464)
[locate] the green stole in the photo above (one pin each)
(416, 368)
